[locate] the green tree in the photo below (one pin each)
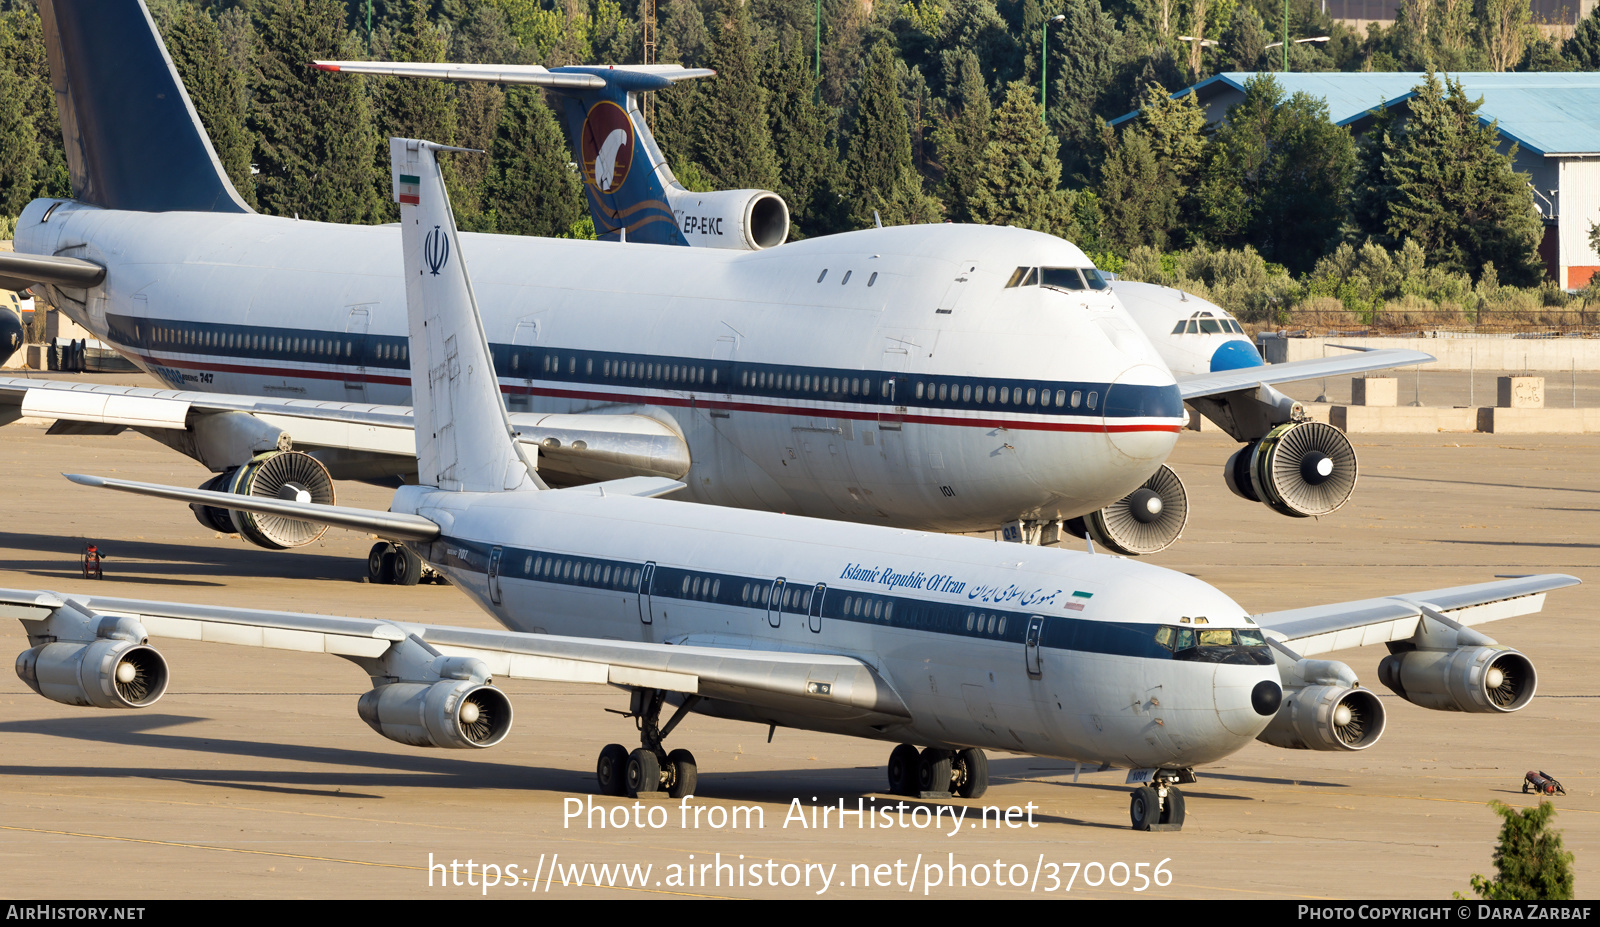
(1504, 31)
(315, 144)
(1456, 193)
(216, 89)
(1529, 860)
(1139, 203)
(1017, 181)
(963, 135)
(1275, 176)
(1087, 55)
(735, 138)
(410, 108)
(1583, 49)
(878, 171)
(807, 154)
(1245, 40)
(22, 54)
(529, 188)
(19, 143)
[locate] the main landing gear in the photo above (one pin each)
(649, 770)
(395, 565)
(1159, 805)
(936, 773)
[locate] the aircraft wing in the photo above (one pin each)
(1365, 359)
(19, 271)
(359, 440)
(1323, 628)
(818, 685)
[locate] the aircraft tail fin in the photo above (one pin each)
(133, 139)
(464, 439)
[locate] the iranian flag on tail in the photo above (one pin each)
(410, 189)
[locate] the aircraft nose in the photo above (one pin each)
(1143, 413)
(1234, 355)
(1246, 697)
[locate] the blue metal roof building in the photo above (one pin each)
(1552, 117)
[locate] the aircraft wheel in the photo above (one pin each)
(407, 567)
(933, 770)
(644, 772)
(375, 568)
(971, 773)
(1173, 813)
(1144, 809)
(903, 770)
(611, 771)
(685, 773)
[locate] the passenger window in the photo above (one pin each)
(1093, 397)
(991, 394)
(1076, 395)
(822, 275)
(1061, 397)
(872, 279)
(846, 278)
(1030, 397)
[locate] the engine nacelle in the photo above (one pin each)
(1476, 679)
(452, 713)
(1149, 519)
(106, 673)
(1326, 718)
(743, 220)
(291, 475)
(1300, 469)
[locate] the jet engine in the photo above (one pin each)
(1146, 520)
(744, 220)
(1299, 469)
(10, 334)
(452, 713)
(291, 475)
(107, 673)
(1476, 679)
(1326, 718)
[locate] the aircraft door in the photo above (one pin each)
(355, 352)
(645, 606)
(494, 575)
(1030, 644)
(526, 334)
(958, 288)
(816, 606)
(775, 604)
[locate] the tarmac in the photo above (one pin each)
(254, 777)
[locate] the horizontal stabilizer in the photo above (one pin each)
(579, 77)
(392, 525)
(647, 487)
(1227, 381)
(20, 271)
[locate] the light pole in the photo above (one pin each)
(1044, 59)
(1320, 38)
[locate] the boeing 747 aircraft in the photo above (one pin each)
(948, 644)
(913, 377)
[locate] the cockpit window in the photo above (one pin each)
(1064, 278)
(1245, 646)
(1096, 282)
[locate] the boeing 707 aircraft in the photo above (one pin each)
(945, 646)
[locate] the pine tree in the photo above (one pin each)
(735, 138)
(963, 135)
(315, 145)
(1018, 179)
(808, 157)
(1138, 203)
(1583, 49)
(878, 171)
(216, 89)
(1373, 189)
(530, 189)
(1530, 861)
(19, 144)
(22, 42)
(1456, 194)
(1245, 40)
(1088, 54)
(1275, 176)
(413, 108)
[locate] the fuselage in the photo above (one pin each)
(1027, 649)
(1192, 335)
(889, 376)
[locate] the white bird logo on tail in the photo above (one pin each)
(605, 162)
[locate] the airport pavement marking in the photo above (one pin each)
(318, 859)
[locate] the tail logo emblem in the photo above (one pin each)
(607, 147)
(436, 250)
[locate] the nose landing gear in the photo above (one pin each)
(1159, 805)
(649, 770)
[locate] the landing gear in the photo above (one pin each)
(1158, 806)
(649, 770)
(970, 773)
(395, 565)
(938, 773)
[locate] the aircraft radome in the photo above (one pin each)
(948, 644)
(911, 376)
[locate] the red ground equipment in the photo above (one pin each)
(91, 562)
(1542, 783)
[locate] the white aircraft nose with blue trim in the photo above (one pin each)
(1193, 336)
